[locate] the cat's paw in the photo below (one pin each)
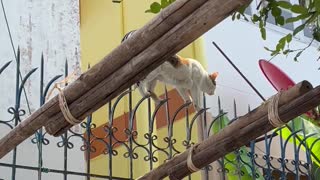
(188, 101)
(147, 94)
(159, 101)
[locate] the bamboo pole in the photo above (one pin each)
(204, 16)
(170, 31)
(292, 103)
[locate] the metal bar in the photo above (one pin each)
(39, 134)
(110, 134)
(238, 70)
(131, 136)
(205, 129)
(223, 172)
(150, 137)
(65, 135)
(88, 143)
(16, 112)
(60, 171)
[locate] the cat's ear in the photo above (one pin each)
(214, 75)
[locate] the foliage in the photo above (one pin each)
(156, 7)
(237, 163)
(307, 12)
(311, 128)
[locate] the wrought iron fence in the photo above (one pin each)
(254, 161)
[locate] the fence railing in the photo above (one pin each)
(123, 149)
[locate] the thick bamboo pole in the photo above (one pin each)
(292, 103)
(204, 16)
(174, 28)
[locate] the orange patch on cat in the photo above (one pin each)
(214, 75)
(182, 61)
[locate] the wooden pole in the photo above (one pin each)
(205, 16)
(170, 31)
(292, 103)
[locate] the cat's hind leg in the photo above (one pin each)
(150, 88)
(142, 89)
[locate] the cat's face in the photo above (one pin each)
(211, 84)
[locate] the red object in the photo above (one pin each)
(278, 79)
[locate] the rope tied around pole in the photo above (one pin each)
(62, 99)
(273, 111)
(191, 166)
(65, 109)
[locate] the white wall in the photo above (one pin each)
(51, 27)
(241, 41)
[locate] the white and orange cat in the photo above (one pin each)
(186, 75)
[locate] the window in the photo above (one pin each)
(286, 15)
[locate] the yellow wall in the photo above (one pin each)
(103, 24)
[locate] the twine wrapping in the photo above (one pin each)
(273, 111)
(65, 110)
(191, 166)
(62, 99)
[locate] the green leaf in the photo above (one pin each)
(276, 12)
(316, 34)
(281, 44)
(300, 17)
(283, 39)
(234, 16)
(317, 5)
(266, 48)
(242, 9)
(274, 53)
(299, 9)
(155, 7)
(263, 33)
(297, 55)
(255, 18)
(238, 16)
(280, 20)
(284, 4)
(289, 38)
(262, 30)
(298, 29)
(164, 3)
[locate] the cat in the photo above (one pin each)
(186, 75)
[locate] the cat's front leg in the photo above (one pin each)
(196, 97)
(184, 94)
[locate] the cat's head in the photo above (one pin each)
(211, 84)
